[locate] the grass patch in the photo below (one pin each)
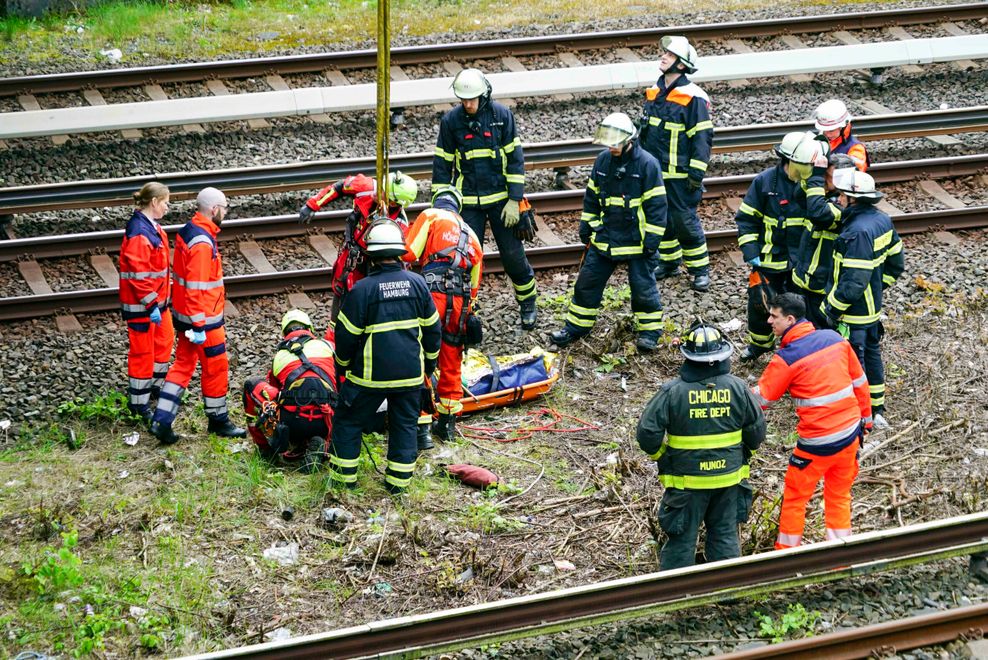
(207, 30)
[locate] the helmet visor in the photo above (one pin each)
(611, 136)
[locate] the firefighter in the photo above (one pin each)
(387, 339)
(145, 287)
(677, 130)
(823, 377)
(702, 428)
(290, 411)
(199, 298)
(833, 121)
(351, 262)
(814, 263)
(479, 153)
(868, 257)
(452, 260)
(770, 226)
(624, 217)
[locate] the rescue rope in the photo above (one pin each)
(537, 423)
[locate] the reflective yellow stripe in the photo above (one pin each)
(744, 239)
(705, 483)
(654, 192)
(344, 478)
(480, 153)
(624, 251)
(381, 384)
(750, 210)
(405, 324)
(473, 200)
(445, 155)
(429, 321)
(698, 164)
(396, 481)
(702, 126)
(351, 328)
(883, 241)
(573, 307)
(401, 467)
(515, 178)
(654, 121)
(713, 441)
(344, 462)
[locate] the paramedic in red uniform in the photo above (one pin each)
(822, 374)
(452, 260)
(145, 284)
(198, 312)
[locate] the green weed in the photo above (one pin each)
(795, 623)
(59, 569)
(608, 362)
(107, 407)
(486, 517)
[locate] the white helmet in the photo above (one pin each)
(615, 131)
(384, 239)
(831, 115)
(470, 84)
(855, 183)
(789, 142)
(809, 149)
(681, 48)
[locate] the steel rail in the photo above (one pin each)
(410, 55)
(285, 226)
(879, 639)
(419, 635)
(296, 176)
(318, 279)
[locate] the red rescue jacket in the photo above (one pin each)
(825, 380)
(145, 281)
(199, 292)
(362, 189)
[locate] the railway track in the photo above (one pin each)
(607, 602)
(272, 68)
(878, 640)
(307, 175)
(270, 281)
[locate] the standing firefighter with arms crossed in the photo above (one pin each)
(677, 130)
(624, 212)
(452, 260)
(702, 428)
(479, 153)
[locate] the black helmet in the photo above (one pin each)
(705, 343)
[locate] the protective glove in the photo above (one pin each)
(867, 427)
(430, 366)
(649, 251)
(305, 214)
(198, 337)
(155, 315)
(585, 237)
(525, 229)
(694, 184)
(511, 213)
(754, 262)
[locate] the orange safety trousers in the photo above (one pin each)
(147, 359)
(838, 473)
(215, 376)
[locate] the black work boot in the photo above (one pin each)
(647, 341)
(164, 433)
(424, 437)
(315, 455)
(529, 313)
(752, 352)
(662, 272)
(564, 337)
(143, 416)
(445, 427)
(701, 282)
(225, 428)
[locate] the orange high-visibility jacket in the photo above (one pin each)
(362, 189)
(826, 382)
(438, 230)
(198, 288)
(144, 270)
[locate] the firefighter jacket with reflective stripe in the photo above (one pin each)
(480, 154)
(868, 257)
(388, 330)
(198, 290)
(362, 189)
(771, 219)
(624, 207)
(432, 241)
(145, 280)
(700, 427)
(813, 263)
(824, 378)
(676, 128)
(845, 143)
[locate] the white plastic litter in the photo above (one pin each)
(285, 555)
(278, 635)
(131, 439)
(732, 326)
(113, 55)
